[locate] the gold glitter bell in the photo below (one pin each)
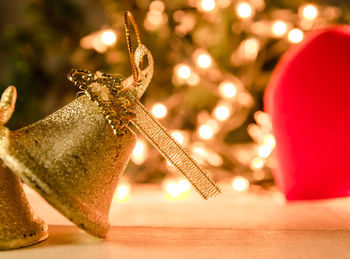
(72, 159)
(19, 226)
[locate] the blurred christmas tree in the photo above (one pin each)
(213, 59)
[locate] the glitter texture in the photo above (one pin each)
(19, 226)
(73, 159)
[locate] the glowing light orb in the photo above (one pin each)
(207, 5)
(177, 190)
(108, 37)
(295, 36)
(184, 185)
(206, 132)
(240, 184)
(139, 152)
(173, 190)
(178, 136)
(155, 18)
(279, 28)
(309, 11)
(222, 112)
(183, 71)
(227, 89)
(122, 193)
(199, 151)
(215, 159)
(159, 110)
(249, 49)
(245, 99)
(257, 163)
(262, 118)
(244, 10)
(157, 5)
(264, 151)
(204, 61)
(269, 140)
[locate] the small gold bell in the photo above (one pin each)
(19, 227)
(73, 159)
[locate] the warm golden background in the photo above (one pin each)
(213, 60)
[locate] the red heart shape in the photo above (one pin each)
(308, 98)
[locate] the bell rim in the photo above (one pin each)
(28, 240)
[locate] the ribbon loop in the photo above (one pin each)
(128, 16)
(144, 76)
(140, 78)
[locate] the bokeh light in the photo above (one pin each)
(183, 71)
(244, 10)
(269, 140)
(222, 111)
(159, 110)
(177, 190)
(139, 153)
(257, 163)
(262, 118)
(199, 151)
(295, 36)
(122, 193)
(264, 151)
(227, 89)
(240, 184)
(279, 28)
(193, 80)
(206, 132)
(249, 49)
(156, 16)
(108, 37)
(204, 60)
(157, 5)
(309, 12)
(214, 159)
(245, 99)
(206, 5)
(178, 136)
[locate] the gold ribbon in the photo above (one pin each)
(111, 94)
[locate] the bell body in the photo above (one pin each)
(73, 159)
(19, 226)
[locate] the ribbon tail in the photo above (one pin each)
(160, 138)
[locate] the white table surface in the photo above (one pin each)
(249, 225)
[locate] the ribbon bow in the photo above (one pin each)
(119, 102)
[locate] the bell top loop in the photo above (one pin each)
(128, 16)
(140, 77)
